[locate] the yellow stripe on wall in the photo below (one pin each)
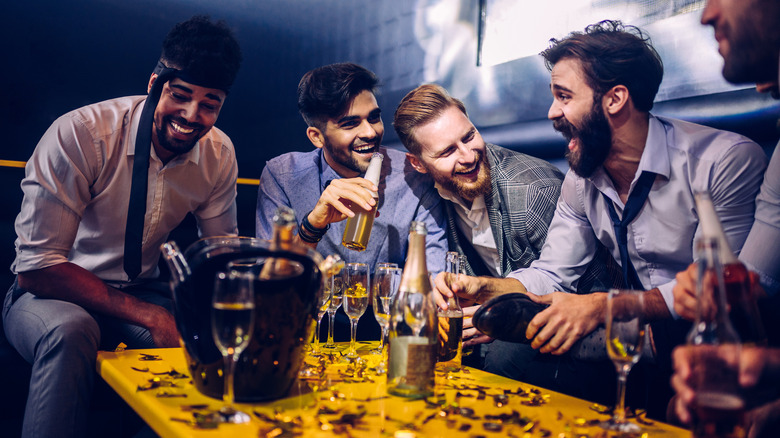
(12, 163)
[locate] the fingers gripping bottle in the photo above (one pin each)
(358, 228)
(413, 325)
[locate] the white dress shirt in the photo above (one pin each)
(474, 223)
(77, 188)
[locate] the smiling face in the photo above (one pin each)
(453, 152)
(748, 37)
(576, 113)
(349, 141)
(183, 116)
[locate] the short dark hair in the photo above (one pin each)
(326, 92)
(207, 52)
(420, 106)
(612, 54)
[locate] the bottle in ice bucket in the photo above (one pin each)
(718, 406)
(413, 325)
(450, 322)
(358, 228)
(743, 307)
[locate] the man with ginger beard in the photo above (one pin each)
(499, 202)
(604, 81)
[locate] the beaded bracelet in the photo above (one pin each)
(308, 233)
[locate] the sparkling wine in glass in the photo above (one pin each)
(232, 322)
(356, 294)
(625, 338)
(414, 311)
(336, 296)
(383, 287)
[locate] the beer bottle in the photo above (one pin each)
(718, 404)
(358, 227)
(743, 307)
(413, 325)
(450, 322)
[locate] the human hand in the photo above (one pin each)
(339, 200)
(763, 421)
(162, 327)
(684, 291)
(570, 317)
(472, 336)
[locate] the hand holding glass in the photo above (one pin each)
(625, 338)
(232, 322)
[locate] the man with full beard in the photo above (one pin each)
(499, 202)
(103, 188)
(748, 35)
(604, 81)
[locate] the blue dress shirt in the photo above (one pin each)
(297, 179)
(687, 158)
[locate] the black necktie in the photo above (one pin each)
(136, 211)
(636, 199)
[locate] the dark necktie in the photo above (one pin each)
(636, 199)
(136, 211)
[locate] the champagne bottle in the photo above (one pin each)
(413, 325)
(743, 306)
(450, 322)
(358, 228)
(718, 405)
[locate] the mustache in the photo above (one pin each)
(565, 127)
(182, 122)
(478, 160)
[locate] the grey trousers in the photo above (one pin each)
(60, 340)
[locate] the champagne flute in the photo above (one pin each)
(625, 338)
(232, 322)
(385, 284)
(356, 290)
(336, 295)
(323, 306)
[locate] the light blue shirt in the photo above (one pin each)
(297, 179)
(687, 158)
(761, 252)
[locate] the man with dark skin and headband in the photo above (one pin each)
(103, 188)
(630, 188)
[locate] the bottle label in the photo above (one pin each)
(411, 363)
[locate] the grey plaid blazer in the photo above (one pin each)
(521, 204)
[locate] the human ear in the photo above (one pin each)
(616, 99)
(316, 137)
(151, 82)
(416, 163)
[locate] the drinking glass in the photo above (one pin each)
(356, 293)
(625, 338)
(385, 285)
(336, 295)
(414, 311)
(232, 322)
(322, 307)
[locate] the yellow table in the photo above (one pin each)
(343, 402)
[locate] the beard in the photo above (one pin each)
(174, 145)
(594, 141)
(753, 43)
(346, 158)
(467, 190)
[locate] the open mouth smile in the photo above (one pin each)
(365, 148)
(181, 129)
